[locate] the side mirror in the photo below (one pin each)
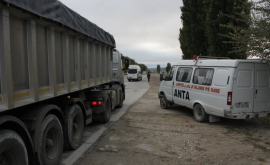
(126, 63)
(161, 77)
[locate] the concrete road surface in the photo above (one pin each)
(134, 90)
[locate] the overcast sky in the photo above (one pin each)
(145, 30)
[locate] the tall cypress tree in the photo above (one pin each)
(192, 34)
(224, 13)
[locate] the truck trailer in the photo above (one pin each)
(58, 73)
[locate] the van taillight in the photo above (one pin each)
(229, 98)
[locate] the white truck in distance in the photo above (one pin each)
(235, 89)
(56, 76)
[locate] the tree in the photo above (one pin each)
(224, 13)
(158, 68)
(192, 36)
(168, 67)
(204, 32)
(143, 67)
(133, 62)
(259, 41)
(255, 40)
(239, 35)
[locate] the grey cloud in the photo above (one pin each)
(145, 30)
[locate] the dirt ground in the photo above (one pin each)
(147, 134)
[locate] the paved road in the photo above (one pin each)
(134, 90)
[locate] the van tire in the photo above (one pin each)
(163, 102)
(199, 113)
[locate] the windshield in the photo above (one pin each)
(132, 71)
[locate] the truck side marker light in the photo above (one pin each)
(68, 97)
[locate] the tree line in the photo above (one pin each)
(168, 67)
(133, 62)
(233, 28)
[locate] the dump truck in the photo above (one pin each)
(58, 73)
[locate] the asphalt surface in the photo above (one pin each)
(134, 90)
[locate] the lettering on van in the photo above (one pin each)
(200, 88)
(181, 94)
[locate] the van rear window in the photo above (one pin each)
(203, 76)
(184, 74)
(132, 71)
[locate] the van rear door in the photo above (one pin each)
(243, 88)
(262, 89)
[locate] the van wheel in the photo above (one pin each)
(12, 149)
(199, 114)
(50, 141)
(163, 102)
(73, 127)
(129, 80)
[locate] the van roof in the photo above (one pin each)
(214, 62)
(134, 66)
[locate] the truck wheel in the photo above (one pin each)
(163, 102)
(12, 149)
(50, 141)
(73, 127)
(120, 105)
(199, 114)
(106, 115)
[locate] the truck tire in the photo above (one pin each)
(73, 127)
(199, 114)
(50, 141)
(120, 105)
(12, 149)
(163, 102)
(105, 116)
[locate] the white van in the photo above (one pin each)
(235, 89)
(134, 73)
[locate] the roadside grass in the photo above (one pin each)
(264, 121)
(261, 147)
(261, 159)
(268, 143)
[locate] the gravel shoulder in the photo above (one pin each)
(147, 134)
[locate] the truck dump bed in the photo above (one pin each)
(47, 50)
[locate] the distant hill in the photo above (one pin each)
(154, 70)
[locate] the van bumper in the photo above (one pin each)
(228, 114)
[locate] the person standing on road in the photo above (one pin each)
(148, 76)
